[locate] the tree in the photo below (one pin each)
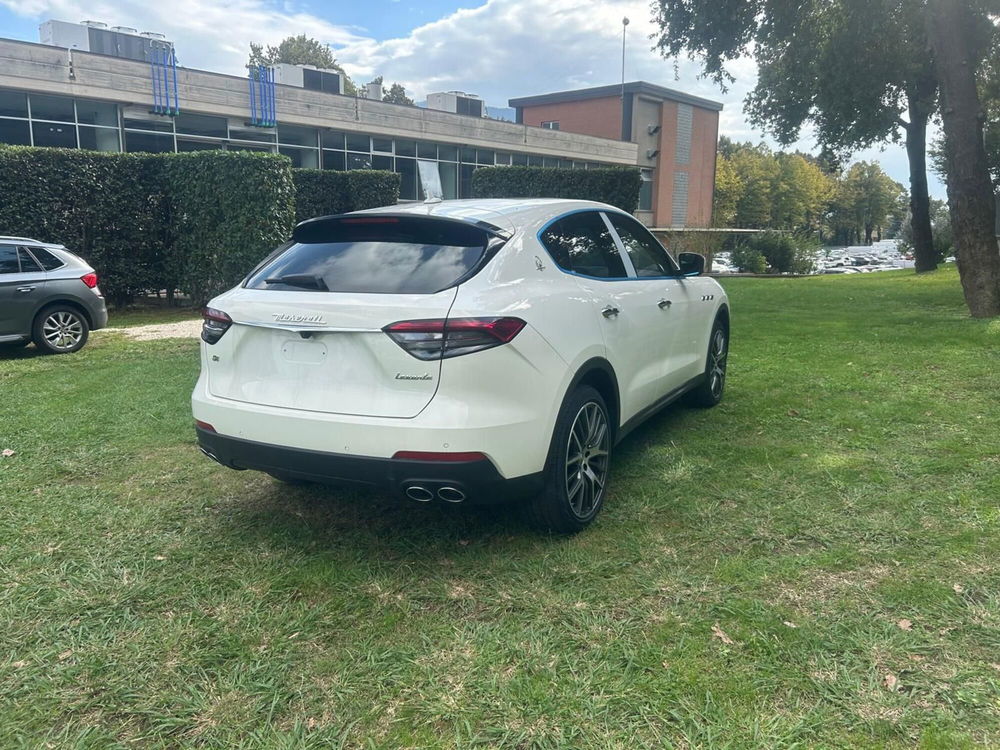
(959, 32)
(852, 68)
(762, 189)
(395, 94)
(728, 192)
(300, 50)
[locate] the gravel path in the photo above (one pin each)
(185, 329)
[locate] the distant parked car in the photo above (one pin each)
(47, 295)
(460, 351)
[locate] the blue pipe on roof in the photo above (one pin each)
(153, 75)
(173, 69)
(253, 106)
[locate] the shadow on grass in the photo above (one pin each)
(362, 524)
(29, 351)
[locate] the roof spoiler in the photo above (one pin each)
(323, 228)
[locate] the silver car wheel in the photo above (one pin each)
(587, 459)
(717, 364)
(62, 330)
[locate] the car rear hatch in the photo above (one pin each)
(308, 324)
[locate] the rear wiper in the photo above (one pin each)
(304, 280)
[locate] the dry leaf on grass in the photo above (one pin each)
(958, 588)
(7, 452)
(891, 681)
(721, 635)
(790, 624)
(904, 624)
(65, 654)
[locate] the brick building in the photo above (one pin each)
(677, 136)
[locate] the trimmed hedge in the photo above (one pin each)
(618, 186)
(229, 210)
(106, 207)
(322, 192)
(195, 221)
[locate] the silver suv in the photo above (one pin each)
(47, 295)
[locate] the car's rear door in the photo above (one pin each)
(583, 244)
(668, 293)
(22, 284)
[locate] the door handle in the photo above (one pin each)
(25, 288)
(609, 311)
(664, 304)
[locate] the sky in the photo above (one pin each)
(498, 49)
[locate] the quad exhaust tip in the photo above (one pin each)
(418, 493)
(451, 494)
(424, 495)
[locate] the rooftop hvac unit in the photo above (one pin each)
(309, 77)
(458, 102)
(95, 36)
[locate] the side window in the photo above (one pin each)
(28, 264)
(581, 243)
(47, 260)
(646, 254)
(8, 259)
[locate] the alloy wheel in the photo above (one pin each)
(62, 330)
(587, 459)
(717, 363)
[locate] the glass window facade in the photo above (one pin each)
(29, 119)
(68, 122)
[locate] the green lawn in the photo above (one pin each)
(816, 562)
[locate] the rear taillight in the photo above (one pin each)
(215, 324)
(439, 338)
(90, 279)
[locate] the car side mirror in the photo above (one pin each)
(692, 264)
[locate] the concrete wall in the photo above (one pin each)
(36, 67)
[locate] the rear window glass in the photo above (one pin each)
(47, 259)
(377, 255)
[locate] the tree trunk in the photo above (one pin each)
(920, 200)
(868, 234)
(951, 32)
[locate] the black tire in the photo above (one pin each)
(60, 329)
(563, 507)
(713, 386)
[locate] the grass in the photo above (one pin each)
(813, 563)
(150, 311)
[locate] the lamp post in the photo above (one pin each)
(624, 26)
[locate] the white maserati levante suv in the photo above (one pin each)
(461, 351)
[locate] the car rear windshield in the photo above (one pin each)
(376, 255)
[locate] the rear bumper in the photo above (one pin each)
(98, 311)
(476, 482)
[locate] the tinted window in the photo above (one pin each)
(582, 243)
(47, 259)
(28, 263)
(379, 256)
(8, 259)
(646, 254)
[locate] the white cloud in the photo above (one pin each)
(502, 49)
